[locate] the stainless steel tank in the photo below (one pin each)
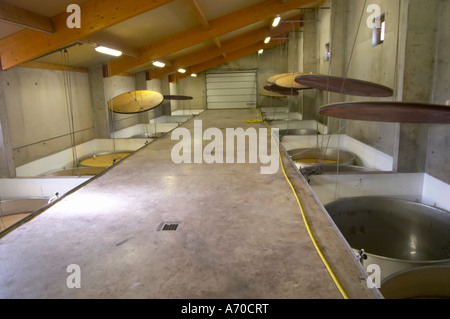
(24, 205)
(79, 171)
(14, 210)
(394, 234)
(336, 169)
(431, 282)
(298, 131)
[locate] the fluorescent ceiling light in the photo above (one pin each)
(276, 21)
(260, 51)
(159, 64)
(181, 70)
(194, 75)
(108, 51)
(267, 40)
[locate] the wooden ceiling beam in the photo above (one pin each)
(230, 45)
(252, 49)
(217, 42)
(230, 57)
(49, 66)
(200, 14)
(96, 15)
(12, 14)
(225, 24)
(219, 45)
(199, 68)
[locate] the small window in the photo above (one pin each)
(327, 52)
(379, 30)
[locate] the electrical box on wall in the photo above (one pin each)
(379, 30)
(327, 52)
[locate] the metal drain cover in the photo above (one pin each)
(169, 226)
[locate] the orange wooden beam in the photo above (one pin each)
(230, 57)
(49, 66)
(96, 15)
(225, 24)
(24, 18)
(233, 44)
(200, 14)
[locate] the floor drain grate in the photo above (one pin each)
(174, 226)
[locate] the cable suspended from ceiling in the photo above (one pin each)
(65, 58)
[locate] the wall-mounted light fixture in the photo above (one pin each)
(267, 40)
(159, 64)
(276, 21)
(260, 51)
(108, 51)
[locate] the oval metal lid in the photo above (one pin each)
(344, 85)
(104, 160)
(135, 102)
(273, 78)
(288, 81)
(395, 112)
(280, 90)
(178, 97)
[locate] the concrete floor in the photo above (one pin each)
(241, 234)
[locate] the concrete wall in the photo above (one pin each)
(99, 103)
(360, 60)
(417, 79)
(195, 87)
(413, 60)
(38, 113)
(342, 25)
(115, 86)
(162, 86)
(7, 167)
(272, 61)
(438, 152)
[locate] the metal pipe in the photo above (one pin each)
(51, 138)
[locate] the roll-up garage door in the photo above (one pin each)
(231, 90)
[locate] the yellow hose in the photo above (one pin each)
(330, 271)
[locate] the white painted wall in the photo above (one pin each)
(38, 187)
(37, 109)
(436, 192)
(329, 188)
(64, 159)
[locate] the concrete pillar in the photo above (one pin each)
(154, 85)
(336, 28)
(141, 84)
(438, 160)
(417, 79)
(295, 57)
(310, 60)
(141, 81)
(7, 166)
(173, 89)
(99, 103)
